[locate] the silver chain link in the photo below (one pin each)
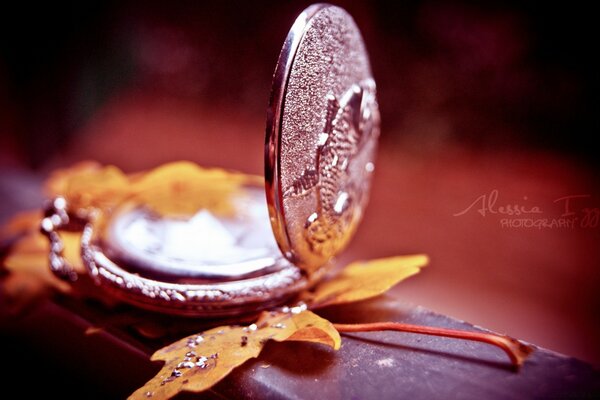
(57, 217)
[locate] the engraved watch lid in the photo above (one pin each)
(321, 136)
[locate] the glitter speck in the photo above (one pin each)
(185, 364)
(298, 309)
(201, 363)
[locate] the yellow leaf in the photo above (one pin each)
(21, 223)
(309, 327)
(72, 253)
(30, 255)
(28, 260)
(58, 181)
(88, 184)
(198, 362)
(29, 277)
(178, 188)
(183, 188)
(362, 280)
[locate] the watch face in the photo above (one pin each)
(205, 246)
(322, 131)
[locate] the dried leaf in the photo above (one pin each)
(178, 188)
(89, 184)
(29, 276)
(183, 188)
(72, 253)
(58, 182)
(30, 257)
(198, 362)
(362, 280)
(21, 223)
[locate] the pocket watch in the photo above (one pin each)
(321, 140)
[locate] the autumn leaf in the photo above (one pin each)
(27, 263)
(88, 184)
(58, 182)
(183, 188)
(30, 255)
(178, 188)
(29, 277)
(198, 362)
(363, 280)
(21, 223)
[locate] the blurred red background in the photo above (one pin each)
(474, 98)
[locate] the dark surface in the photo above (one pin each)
(376, 365)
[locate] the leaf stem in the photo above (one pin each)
(515, 350)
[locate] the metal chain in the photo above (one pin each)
(56, 218)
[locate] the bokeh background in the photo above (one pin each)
(475, 98)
